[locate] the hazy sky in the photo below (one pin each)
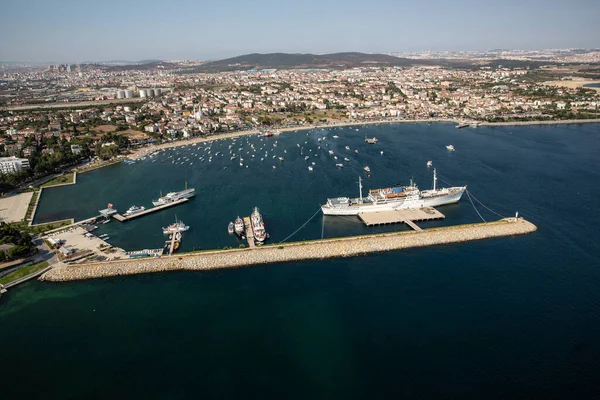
(102, 30)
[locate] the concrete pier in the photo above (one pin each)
(122, 218)
(308, 250)
(249, 233)
(398, 216)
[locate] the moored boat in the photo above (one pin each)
(175, 196)
(176, 227)
(133, 210)
(398, 197)
(258, 226)
(239, 226)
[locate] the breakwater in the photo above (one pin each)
(318, 249)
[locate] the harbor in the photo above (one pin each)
(280, 253)
(392, 197)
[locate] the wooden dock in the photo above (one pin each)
(121, 218)
(249, 233)
(405, 216)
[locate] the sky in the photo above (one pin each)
(103, 30)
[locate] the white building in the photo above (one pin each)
(9, 165)
(75, 149)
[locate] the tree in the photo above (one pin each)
(18, 251)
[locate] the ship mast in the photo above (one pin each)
(360, 188)
(434, 179)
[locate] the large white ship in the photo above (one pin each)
(174, 196)
(394, 198)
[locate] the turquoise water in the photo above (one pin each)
(510, 317)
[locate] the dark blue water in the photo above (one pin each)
(514, 317)
(593, 85)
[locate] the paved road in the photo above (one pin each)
(44, 253)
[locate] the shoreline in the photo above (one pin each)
(144, 151)
(297, 251)
(549, 122)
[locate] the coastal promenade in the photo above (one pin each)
(308, 250)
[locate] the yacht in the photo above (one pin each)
(133, 210)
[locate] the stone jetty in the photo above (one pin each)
(317, 249)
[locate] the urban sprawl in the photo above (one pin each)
(58, 116)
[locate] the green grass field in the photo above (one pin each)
(60, 180)
(21, 272)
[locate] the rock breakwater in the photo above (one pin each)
(319, 249)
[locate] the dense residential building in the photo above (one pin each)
(13, 164)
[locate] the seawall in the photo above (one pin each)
(318, 249)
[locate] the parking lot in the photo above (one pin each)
(79, 241)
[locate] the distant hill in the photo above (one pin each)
(286, 60)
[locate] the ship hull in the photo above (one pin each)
(394, 205)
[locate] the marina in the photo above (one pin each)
(288, 208)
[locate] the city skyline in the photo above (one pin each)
(133, 30)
